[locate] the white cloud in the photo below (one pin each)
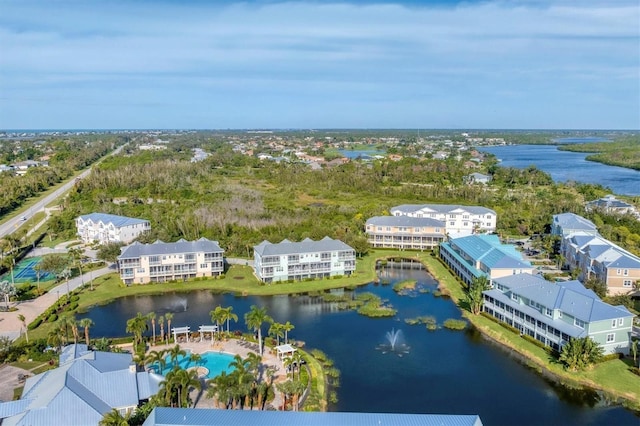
(309, 49)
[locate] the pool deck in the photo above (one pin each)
(233, 347)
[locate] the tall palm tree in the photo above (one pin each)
(68, 322)
(54, 338)
(157, 357)
(217, 316)
(152, 318)
(296, 359)
(136, 326)
(187, 379)
(276, 330)
(77, 254)
(220, 388)
(174, 353)
(161, 321)
(229, 315)
(23, 320)
(287, 328)
(168, 316)
(254, 320)
(86, 323)
(114, 418)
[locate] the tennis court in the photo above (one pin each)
(24, 272)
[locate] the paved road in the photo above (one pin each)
(11, 326)
(11, 225)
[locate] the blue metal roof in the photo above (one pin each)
(163, 416)
(118, 221)
(488, 250)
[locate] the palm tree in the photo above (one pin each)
(276, 330)
(254, 320)
(220, 388)
(175, 387)
(38, 270)
(196, 358)
(157, 357)
(217, 316)
(174, 353)
(287, 328)
(54, 338)
(187, 379)
(68, 322)
(23, 320)
(152, 318)
(114, 418)
(77, 254)
(168, 316)
(296, 358)
(137, 325)
(475, 297)
(229, 315)
(86, 323)
(161, 321)
(634, 349)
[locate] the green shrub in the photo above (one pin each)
(455, 324)
(53, 318)
(35, 323)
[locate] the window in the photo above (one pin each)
(514, 296)
(437, 229)
(548, 312)
(203, 265)
(625, 272)
(578, 323)
(452, 216)
(559, 314)
(452, 223)
(618, 271)
(620, 322)
(613, 323)
(626, 283)
(611, 337)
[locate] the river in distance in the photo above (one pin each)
(564, 166)
(442, 371)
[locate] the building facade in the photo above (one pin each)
(161, 262)
(594, 257)
(108, 228)
(459, 220)
(404, 232)
(553, 313)
(306, 259)
(483, 255)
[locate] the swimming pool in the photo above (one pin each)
(214, 362)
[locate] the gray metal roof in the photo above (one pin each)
(163, 416)
(118, 221)
(578, 303)
(440, 208)
(405, 221)
(571, 221)
(81, 390)
(136, 249)
(307, 245)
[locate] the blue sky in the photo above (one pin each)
(346, 64)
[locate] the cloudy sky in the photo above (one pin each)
(538, 64)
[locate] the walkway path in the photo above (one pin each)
(11, 326)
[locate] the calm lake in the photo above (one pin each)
(443, 371)
(566, 166)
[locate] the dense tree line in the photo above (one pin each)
(66, 157)
(241, 201)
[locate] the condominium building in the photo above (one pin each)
(459, 220)
(306, 259)
(161, 262)
(553, 313)
(596, 257)
(109, 228)
(405, 232)
(483, 255)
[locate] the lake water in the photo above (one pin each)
(444, 371)
(365, 154)
(566, 166)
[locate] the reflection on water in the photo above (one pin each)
(444, 371)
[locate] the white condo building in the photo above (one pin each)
(307, 259)
(109, 228)
(459, 220)
(161, 262)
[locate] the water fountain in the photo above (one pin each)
(395, 343)
(177, 305)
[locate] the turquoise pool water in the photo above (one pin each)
(215, 362)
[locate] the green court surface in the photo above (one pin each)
(24, 272)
